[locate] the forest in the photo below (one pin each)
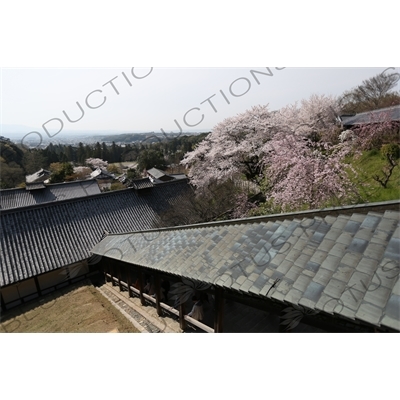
(261, 161)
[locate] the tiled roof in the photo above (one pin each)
(347, 265)
(14, 198)
(102, 174)
(41, 238)
(144, 183)
(38, 176)
(156, 173)
(35, 186)
(393, 113)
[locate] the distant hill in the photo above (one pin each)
(149, 137)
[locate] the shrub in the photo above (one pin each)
(391, 150)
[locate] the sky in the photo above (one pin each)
(151, 99)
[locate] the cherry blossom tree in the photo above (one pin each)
(378, 130)
(291, 149)
(96, 163)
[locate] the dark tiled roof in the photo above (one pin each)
(35, 186)
(144, 183)
(393, 113)
(346, 265)
(14, 198)
(41, 238)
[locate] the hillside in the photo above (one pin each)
(12, 171)
(373, 164)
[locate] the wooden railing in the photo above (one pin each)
(167, 308)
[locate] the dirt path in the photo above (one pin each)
(78, 308)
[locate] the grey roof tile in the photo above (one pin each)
(326, 245)
(378, 297)
(371, 221)
(393, 249)
(385, 275)
(391, 215)
(351, 259)
(345, 239)
(318, 257)
(359, 281)
(293, 255)
(327, 303)
(358, 245)
(293, 296)
(367, 265)
(323, 276)
(333, 234)
(302, 283)
(293, 273)
(386, 224)
(313, 292)
(343, 273)
(396, 287)
(335, 288)
(369, 313)
(365, 234)
(344, 311)
(312, 266)
(393, 307)
(302, 260)
(352, 298)
(374, 251)
(277, 295)
(300, 244)
(284, 267)
(392, 323)
(338, 250)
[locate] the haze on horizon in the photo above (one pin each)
(127, 100)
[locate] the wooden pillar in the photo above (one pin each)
(141, 280)
(119, 276)
(182, 322)
(37, 285)
(111, 269)
(158, 293)
(3, 304)
(104, 269)
(219, 310)
(129, 281)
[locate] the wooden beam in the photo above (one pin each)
(182, 322)
(3, 304)
(129, 279)
(141, 286)
(111, 269)
(37, 285)
(104, 270)
(158, 293)
(219, 310)
(119, 276)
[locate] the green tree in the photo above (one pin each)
(374, 93)
(151, 159)
(60, 171)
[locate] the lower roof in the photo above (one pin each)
(347, 265)
(41, 238)
(19, 197)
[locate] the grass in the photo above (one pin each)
(76, 309)
(369, 164)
